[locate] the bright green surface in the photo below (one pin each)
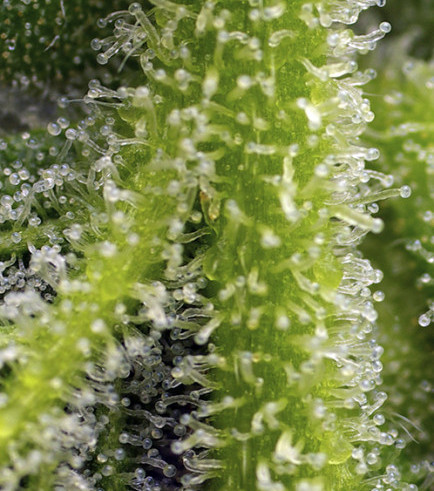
(237, 172)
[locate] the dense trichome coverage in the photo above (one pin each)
(184, 303)
(45, 42)
(403, 130)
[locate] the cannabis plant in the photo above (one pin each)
(187, 295)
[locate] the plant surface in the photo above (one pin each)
(185, 304)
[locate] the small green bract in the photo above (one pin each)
(190, 262)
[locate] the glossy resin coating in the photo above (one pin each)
(184, 302)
